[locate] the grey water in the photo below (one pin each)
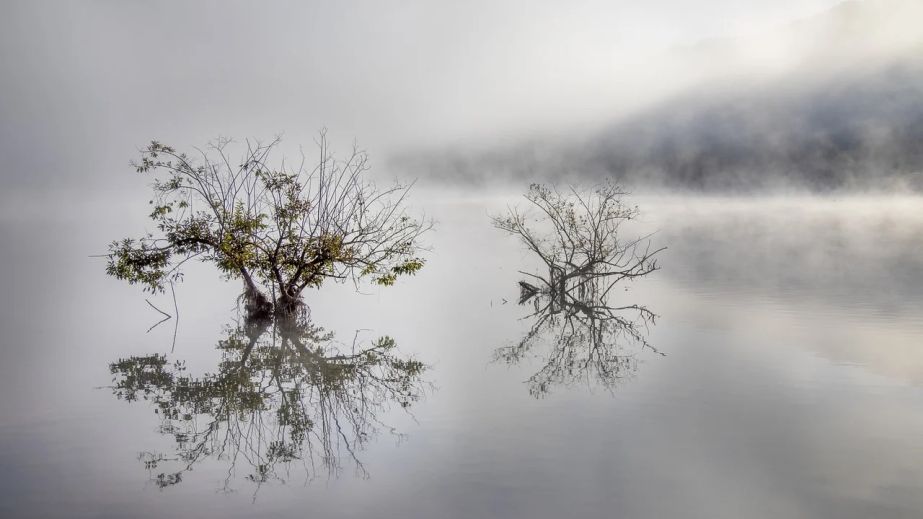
(785, 378)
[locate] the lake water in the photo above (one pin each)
(789, 385)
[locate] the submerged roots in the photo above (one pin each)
(288, 306)
(256, 304)
(259, 307)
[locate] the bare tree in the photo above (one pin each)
(275, 225)
(586, 338)
(577, 237)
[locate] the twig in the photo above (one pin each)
(158, 323)
(158, 309)
(175, 309)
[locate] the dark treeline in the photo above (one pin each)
(859, 131)
(862, 131)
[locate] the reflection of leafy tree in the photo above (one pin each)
(577, 236)
(283, 394)
(279, 228)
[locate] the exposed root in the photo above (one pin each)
(256, 304)
(288, 306)
(259, 308)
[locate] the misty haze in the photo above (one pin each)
(514, 259)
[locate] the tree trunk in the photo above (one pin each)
(289, 301)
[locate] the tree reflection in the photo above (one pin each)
(577, 236)
(589, 341)
(285, 395)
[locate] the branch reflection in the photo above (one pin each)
(589, 341)
(284, 395)
(578, 237)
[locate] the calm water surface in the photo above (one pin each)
(790, 384)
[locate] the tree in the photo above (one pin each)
(285, 394)
(576, 235)
(586, 338)
(578, 238)
(273, 226)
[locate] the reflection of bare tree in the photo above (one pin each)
(576, 236)
(285, 394)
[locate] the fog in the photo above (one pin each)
(85, 85)
(830, 102)
(773, 147)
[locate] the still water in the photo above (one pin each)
(784, 377)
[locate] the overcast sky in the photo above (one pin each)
(85, 83)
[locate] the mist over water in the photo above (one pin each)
(773, 148)
(831, 103)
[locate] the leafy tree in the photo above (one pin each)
(274, 226)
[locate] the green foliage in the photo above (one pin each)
(270, 226)
(409, 267)
(139, 262)
(278, 394)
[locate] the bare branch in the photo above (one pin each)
(278, 229)
(577, 237)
